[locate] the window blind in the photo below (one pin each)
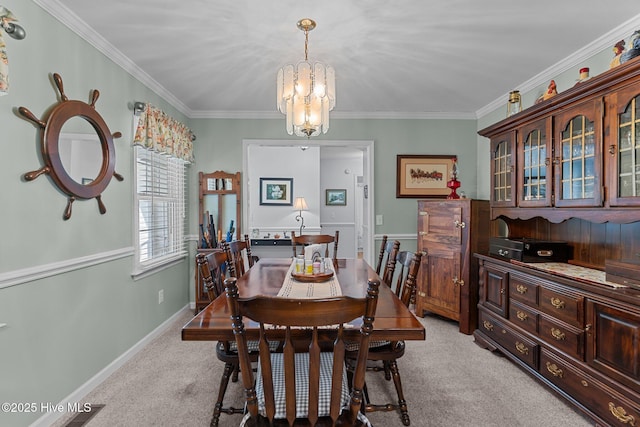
(160, 199)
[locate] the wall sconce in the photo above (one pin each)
(300, 205)
(13, 30)
(515, 103)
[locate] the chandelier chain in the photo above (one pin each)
(306, 45)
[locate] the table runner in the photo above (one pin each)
(292, 288)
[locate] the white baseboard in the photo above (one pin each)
(50, 417)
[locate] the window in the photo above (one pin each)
(160, 202)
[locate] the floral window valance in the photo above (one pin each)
(160, 132)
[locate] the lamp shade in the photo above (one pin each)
(299, 204)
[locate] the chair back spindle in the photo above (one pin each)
(278, 393)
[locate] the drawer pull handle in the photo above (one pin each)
(522, 348)
(557, 303)
(487, 325)
(558, 334)
(555, 371)
(522, 289)
(423, 233)
(457, 282)
(503, 252)
(621, 414)
(522, 315)
(459, 224)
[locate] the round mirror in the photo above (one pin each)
(80, 151)
(64, 163)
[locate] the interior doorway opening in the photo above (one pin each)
(335, 162)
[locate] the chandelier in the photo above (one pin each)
(306, 92)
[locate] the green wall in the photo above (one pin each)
(67, 296)
(86, 311)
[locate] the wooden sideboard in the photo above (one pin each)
(568, 169)
(580, 339)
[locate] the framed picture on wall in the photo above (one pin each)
(276, 191)
(335, 197)
(423, 175)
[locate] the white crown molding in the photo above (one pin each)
(75, 24)
(16, 277)
(78, 26)
(336, 115)
(572, 61)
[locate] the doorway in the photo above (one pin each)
(359, 236)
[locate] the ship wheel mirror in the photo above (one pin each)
(53, 153)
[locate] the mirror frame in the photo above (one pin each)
(55, 120)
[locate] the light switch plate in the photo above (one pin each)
(379, 220)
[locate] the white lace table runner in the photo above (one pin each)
(291, 288)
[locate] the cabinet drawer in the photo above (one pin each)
(605, 402)
(523, 290)
(523, 316)
(523, 348)
(562, 336)
(563, 306)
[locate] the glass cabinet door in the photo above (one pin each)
(502, 170)
(534, 171)
(624, 159)
(577, 156)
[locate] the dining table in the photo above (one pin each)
(269, 276)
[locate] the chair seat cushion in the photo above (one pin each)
(252, 346)
(302, 385)
(355, 346)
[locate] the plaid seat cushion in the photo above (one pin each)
(302, 385)
(355, 346)
(252, 346)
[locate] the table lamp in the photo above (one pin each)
(300, 205)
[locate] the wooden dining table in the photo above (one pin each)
(392, 321)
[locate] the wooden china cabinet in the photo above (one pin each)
(449, 232)
(568, 170)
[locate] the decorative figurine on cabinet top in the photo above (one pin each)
(550, 92)
(634, 50)
(618, 50)
(54, 166)
(584, 75)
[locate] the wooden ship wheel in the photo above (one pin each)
(53, 165)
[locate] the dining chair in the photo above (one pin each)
(315, 239)
(302, 385)
(387, 257)
(239, 256)
(210, 268)
(388, 352)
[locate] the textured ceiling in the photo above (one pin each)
(392, 58)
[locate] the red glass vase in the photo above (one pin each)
(453, 184)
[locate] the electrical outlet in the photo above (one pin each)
(160, 296)
(379, 220)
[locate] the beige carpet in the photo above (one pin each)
(448, 381)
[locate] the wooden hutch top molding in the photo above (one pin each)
(598, 85)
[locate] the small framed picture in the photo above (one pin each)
(276, 191)
(336, 197)
(423, 175)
